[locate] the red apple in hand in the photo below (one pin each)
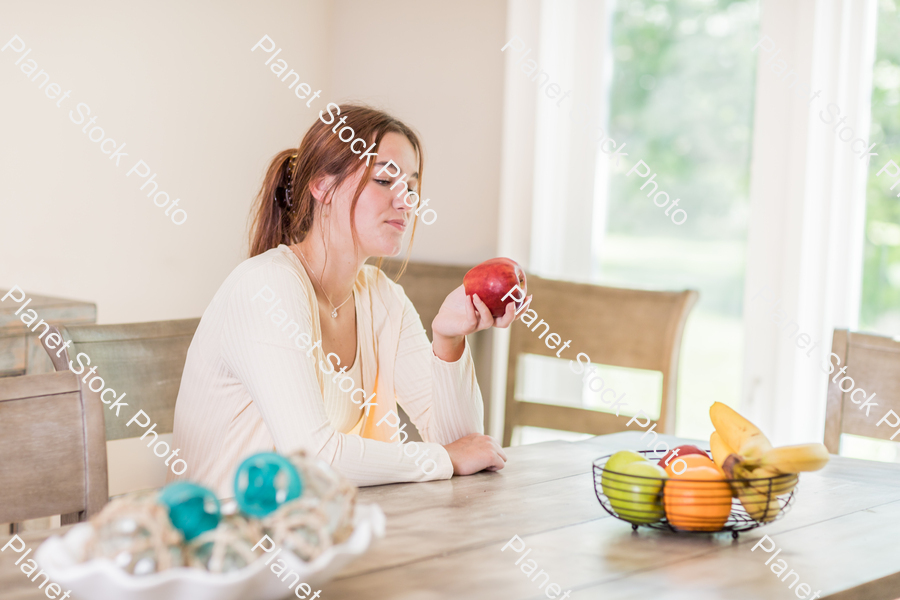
(682, 451)
(492, 280)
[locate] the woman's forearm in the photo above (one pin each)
(448, 349)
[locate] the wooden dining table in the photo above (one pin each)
(445, 539)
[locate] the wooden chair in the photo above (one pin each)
(614, 326)
(143, 360)
(873, 362)
(52, 449)
(20, 348)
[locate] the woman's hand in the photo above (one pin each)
(474, 453)
(459, 316)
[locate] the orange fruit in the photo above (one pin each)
(688, 461)
(699, 499)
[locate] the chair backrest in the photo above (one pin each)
(614, 326)
(873, 364)
(426, 285)
(20, 348)
(52, 449)
(143, 360)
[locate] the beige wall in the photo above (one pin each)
(178, 84)
(438, 66)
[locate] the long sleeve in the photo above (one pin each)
(442, 399)
(278, 372)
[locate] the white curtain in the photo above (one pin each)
(807, 207)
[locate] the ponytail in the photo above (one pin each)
(271, 221)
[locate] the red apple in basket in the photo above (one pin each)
(492, 280)
(681, 451)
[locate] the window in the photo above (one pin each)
(880, 305)
(682, 83)
(690, 54)
(693, 55)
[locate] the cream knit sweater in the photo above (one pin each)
(248, 386)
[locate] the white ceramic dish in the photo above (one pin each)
(102, 580)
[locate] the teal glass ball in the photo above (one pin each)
(264, 482)
(193, 509)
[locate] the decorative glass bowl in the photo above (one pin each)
(101, 579)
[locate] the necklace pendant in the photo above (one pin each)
(334, 314)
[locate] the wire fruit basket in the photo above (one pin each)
(692, 505)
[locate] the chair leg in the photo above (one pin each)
(71, 518)
(509, 421)
(507, 433)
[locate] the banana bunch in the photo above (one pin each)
(760, 473)
(758, 487)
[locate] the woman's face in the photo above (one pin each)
(382, 217)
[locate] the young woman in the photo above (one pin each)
(305, 346)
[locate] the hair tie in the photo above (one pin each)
(283, 192)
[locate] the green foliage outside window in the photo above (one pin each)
(880, 306)
(682, 99)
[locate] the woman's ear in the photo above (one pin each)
(319, 187)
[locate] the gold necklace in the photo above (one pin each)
(334, 308)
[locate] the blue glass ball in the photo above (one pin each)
(193, 509)
(264, 482)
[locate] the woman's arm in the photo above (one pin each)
(459, 316)
(436, 383)
(278, 371)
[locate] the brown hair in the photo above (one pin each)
(321, 153)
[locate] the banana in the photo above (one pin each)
(720, 450)
(755, 446)
(796, 459)
(769, 480)
(765, 479)
(760, 506)
(758, 487)
(758, 472)
(737, 432)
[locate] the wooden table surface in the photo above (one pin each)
(444, 538)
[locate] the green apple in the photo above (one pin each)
(616, 463)
(636, 499)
